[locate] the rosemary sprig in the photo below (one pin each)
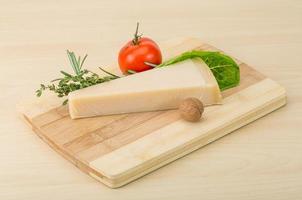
(82, 78)
(130, 71)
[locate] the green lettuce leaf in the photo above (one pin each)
(223, 67)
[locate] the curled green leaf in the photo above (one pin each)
(223, 67)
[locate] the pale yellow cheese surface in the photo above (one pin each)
(157, 89)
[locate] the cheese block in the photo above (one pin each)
(156, 89)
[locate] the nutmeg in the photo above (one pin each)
(191, 109)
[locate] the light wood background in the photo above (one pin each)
(260, 161)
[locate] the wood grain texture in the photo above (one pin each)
(179, 138)
(117, 149)
(260, 161)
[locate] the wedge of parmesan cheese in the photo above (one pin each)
(157, 89)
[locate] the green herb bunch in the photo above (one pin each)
(82, 78)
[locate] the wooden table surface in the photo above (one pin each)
(262, 160)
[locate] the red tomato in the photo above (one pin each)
(134, 55)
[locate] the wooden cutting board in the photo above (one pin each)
(118, 149)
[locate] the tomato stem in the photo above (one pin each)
(136, 38)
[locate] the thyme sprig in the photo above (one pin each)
(82, 78)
